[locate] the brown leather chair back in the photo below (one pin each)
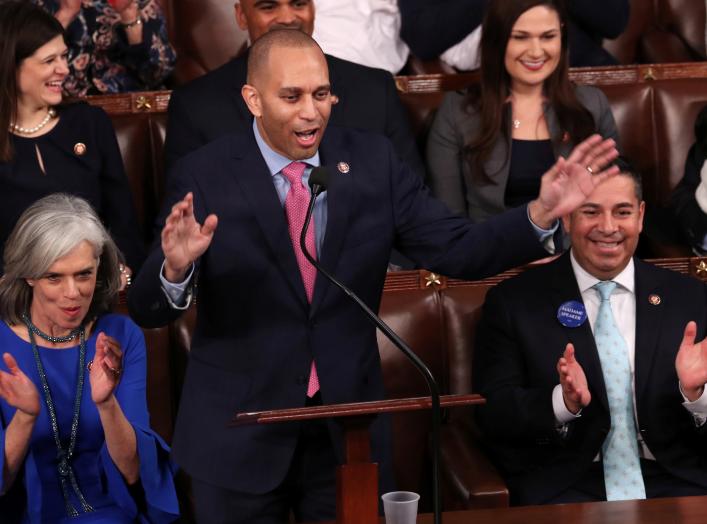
(661, 31)
(414, 316)
(205, 35)
(677, 103)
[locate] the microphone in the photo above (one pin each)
(318, 181)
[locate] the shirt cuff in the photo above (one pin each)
(179, 294)
(701, 191)
(562, 414)
(545, 236)
(698, 408)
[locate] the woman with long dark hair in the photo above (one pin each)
(47, 146)
(489, 146)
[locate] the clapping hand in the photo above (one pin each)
(105, 368)
(184, 239)
(570, 181)
(18, 390)
(575, 390)
(691, 363)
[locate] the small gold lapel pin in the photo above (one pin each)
(79, 148)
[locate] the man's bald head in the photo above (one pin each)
(288, 92)
(259, 54)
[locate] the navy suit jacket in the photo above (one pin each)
(518, 345)
(211, 106)
(256, 334)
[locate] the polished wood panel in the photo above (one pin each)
(679, 510)
(353, 409)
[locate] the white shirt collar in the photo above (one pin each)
(586, 281)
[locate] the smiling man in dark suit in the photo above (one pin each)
(593, 379)
(211, 106)
(270, 333)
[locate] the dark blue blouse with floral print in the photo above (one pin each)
(100, 58)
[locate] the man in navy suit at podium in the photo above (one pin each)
(272, 334)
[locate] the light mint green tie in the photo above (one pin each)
(622, 468)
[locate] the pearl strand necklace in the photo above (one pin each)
(51, 113)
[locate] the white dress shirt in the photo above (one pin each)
(623, 306)
(365, 32)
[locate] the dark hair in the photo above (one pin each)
(24, 28)
(701, 130)
(626, 168)
(489, 97)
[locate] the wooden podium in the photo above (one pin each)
(357, 477)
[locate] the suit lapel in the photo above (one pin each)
(564, 288)
(257, 186)
(339, 196)
(649, 317)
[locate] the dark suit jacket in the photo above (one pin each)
(256, 334)
(692, 220)
(519, 342)
(212, 106)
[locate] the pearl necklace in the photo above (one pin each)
(51, 113)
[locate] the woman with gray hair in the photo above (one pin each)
(73, 413)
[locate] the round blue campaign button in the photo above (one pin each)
(571, 314)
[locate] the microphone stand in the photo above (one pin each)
(317, 189)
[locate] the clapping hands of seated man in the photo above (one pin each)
(690, 364)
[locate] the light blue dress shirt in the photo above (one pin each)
(276, 162)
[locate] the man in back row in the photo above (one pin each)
(270, 332)
(593, 380)
(211, 106)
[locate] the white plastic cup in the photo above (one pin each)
(400, 507)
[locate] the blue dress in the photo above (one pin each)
(100, 481)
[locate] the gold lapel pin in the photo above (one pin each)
(79, 148)
(343, 167)
(654, 299)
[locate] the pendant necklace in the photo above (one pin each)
(64, 456)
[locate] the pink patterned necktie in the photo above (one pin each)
(296, 205)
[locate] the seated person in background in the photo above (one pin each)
(73, 381)
(450, 29)
(689, 199)
(52, 147)
(488, 148)
(594, 395)
(114, 45)
(211, 106)
(365, 32)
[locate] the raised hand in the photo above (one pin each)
(568, 183)
(575, 390)
(18, 390)
(691, 363)
(184, 239)
(105, 368)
